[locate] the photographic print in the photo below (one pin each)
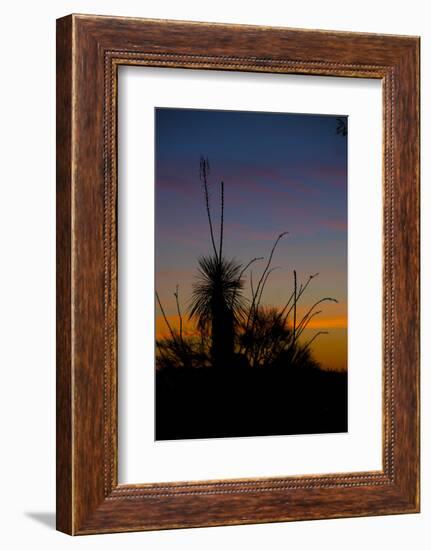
(250, 274)
(205, 303)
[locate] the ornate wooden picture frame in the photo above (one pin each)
(89, 51)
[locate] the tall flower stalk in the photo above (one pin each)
(217, 301)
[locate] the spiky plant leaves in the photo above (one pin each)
(217, 304)
(218, 287)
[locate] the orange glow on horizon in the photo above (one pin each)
(330, 350)
(189, 329)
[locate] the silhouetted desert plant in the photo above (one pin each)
(270, 341)
(270, 333)
(235, 329)
(342, 126)
(244, 369)
(217, 304)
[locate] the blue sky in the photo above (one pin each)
(281, 172)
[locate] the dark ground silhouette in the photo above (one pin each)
(247, 370)
(207, 402)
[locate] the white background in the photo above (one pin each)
(27, 218)
(141, 458)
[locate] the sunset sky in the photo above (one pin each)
(281, 172)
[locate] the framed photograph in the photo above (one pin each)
(237, 274)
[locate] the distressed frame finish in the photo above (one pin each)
(89, 51)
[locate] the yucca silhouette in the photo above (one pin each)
(241, 367)
(234, 330)
(217, 302)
